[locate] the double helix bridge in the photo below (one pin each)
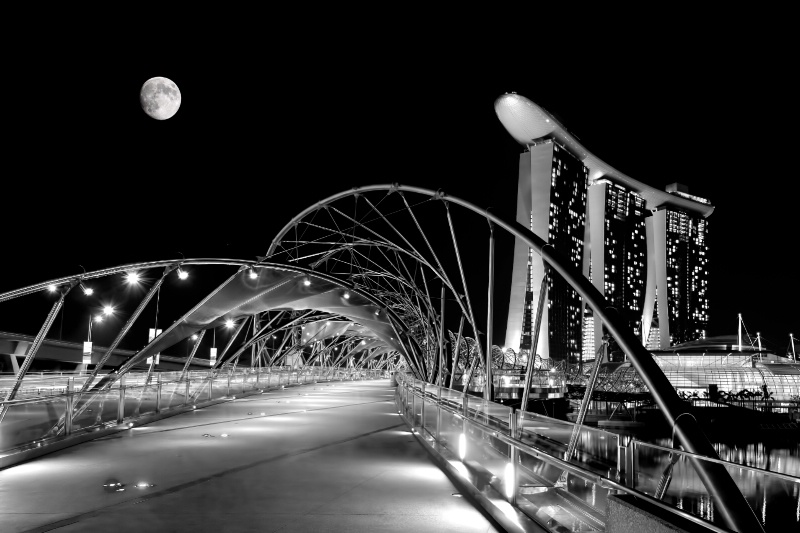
(378, 282)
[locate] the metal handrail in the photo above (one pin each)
(781, 475)
(588, 475)
(52, 397)
(582, 472)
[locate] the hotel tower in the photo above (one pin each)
(645, 249)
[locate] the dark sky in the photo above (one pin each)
(271, 124)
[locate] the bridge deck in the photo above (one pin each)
(322, 457)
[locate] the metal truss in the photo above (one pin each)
(372, 277)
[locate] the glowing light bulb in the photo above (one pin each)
(132, 277)
(182, 274)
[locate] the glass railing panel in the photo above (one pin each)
(575, 504)
(452, 426)
(219, 388)
(595, 450)
(486, 453)
(147, 402)
(430, 422)
(490, 413)
(173, 394)
(94, 409)
(416, 408)
(132, 395)
(198, 390)
(672, 478)
(25, 423)
(453, 399)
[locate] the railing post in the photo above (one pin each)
(121, 403)
(210, 385)
(158, 394)
(422, 411)
(68, 409)
(439, 414)
(228, 394)
(512, 456)
(621, 460)
(413, 408)
(405, 397)
(630, 463)
(188, 391)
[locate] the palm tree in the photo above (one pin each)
(768, 397)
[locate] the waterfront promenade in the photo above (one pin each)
(316, 457)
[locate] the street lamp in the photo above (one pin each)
(87, 346)
(107, 311)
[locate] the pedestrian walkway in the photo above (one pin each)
(318, 457)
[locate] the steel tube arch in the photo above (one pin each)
(731, 504)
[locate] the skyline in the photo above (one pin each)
(298, 140)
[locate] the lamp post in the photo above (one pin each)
(87, 346)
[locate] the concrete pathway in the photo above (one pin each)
(320, 457)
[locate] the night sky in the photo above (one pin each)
(268, 126)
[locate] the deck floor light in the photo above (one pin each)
(253, 274)
(306, 282)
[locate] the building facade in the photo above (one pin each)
(615, 255)
(645, 249)
(678, 275)
(552, 200)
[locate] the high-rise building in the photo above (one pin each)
(616, 254)
(645, 249)
(677, 280)
(552, 199)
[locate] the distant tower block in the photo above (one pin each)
(639, 243)
(677, 272)
(551, 198)
(616, 251)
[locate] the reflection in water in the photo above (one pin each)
(685, 490)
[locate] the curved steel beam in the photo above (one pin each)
(732, 505)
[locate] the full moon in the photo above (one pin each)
(160, 98)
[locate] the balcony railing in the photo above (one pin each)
(58, 411)
(520, 456)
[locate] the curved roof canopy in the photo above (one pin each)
(528, 123)
(281, 288)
